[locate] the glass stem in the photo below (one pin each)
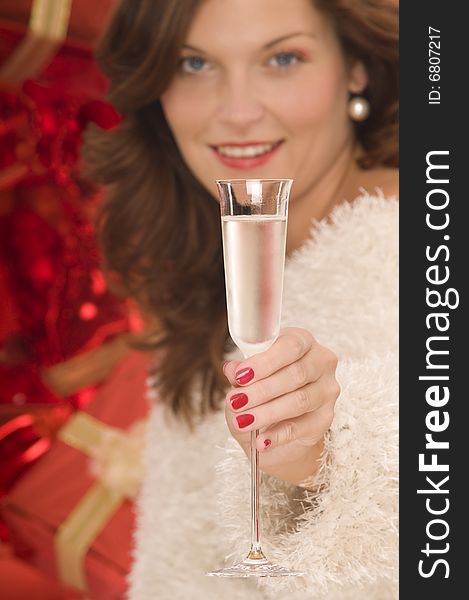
(256, 550)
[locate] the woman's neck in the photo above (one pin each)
(339, 183)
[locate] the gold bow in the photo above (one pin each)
(77, 532)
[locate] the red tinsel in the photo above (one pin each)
(41, 126)
(49, 143)
(47, 244)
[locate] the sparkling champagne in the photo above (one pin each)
(254, 251)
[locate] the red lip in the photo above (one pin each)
(245, 163)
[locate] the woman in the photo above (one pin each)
(261, 89)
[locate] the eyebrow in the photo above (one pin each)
(266, 46)
(288, 36)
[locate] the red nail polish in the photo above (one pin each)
(244, 376)
(267, 443)
(245, 420)
(238, 401)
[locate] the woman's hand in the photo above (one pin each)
(287, 392)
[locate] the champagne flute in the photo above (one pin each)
(254, 224)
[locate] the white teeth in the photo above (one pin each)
(245, 151)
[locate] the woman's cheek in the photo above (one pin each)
(299, 106)
(191, 120)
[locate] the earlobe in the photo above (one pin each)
(358, 79)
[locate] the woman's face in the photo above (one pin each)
(261, 92)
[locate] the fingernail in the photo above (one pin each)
(267, 443)
(244, 376)
(223, 365)
(238, 401)
(245, 420)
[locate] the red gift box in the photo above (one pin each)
(59, 499)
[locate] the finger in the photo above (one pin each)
(289, 406)
(306, 430)
(229, 368)
(292, 344)
(243, 438)
(292, 378)
(286, 407)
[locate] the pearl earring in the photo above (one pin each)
(358, 108)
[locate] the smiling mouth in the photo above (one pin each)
(247, 150)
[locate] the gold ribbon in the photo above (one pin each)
(48, 25)
(80, 528)
(78, 531)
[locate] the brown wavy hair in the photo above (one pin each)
(159, 228)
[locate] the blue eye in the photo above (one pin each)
(285, 59)
(192, 64)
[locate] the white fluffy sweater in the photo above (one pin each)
(193, 512)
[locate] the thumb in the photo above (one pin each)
(229, 370)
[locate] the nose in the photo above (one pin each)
(240, 105)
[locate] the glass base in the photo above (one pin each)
(255, 568)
